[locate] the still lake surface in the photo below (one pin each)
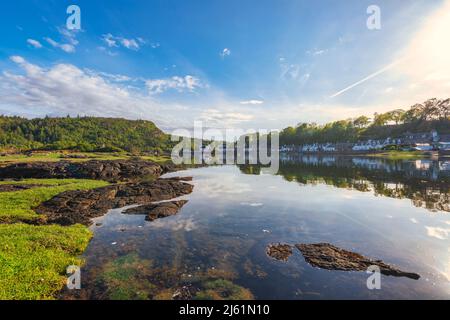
(396, 211)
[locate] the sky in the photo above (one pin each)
(255, 64)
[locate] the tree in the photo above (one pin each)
(361, 122)
(380, 119)
(396, 115)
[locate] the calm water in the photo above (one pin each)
(397, 211)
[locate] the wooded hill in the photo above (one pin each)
(82, 134)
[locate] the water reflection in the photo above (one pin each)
(215, 247)
(425, 182)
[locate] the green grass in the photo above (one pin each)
(401, 155)
(58, 156)
(157, 159)
(17, 206)
(33, 259)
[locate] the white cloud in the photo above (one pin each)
(131, 43)
(252, 102)
(180, 84)
(109, 40)
(36, 44)
(69, 48)
(317, 52)
(69, 36)
(65, 89)
(69, 40)
(224, 119)
(225, 53)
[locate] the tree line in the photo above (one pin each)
(433, 114)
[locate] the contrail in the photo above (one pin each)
(366, 78)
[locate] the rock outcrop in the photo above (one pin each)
(327, 256)
(80, 206)
(155, 211)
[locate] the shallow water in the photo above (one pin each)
(396, 211)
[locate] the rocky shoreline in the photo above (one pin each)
(108, 170)
(134, 182)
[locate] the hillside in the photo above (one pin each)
(81, 134)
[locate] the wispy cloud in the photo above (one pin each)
(66, 47)
(34, 43)
(252, 102)
(129, 43)
(69, 40)
(317, 52)
(180, 84)
(224, 119)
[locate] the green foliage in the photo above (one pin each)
(33, 259)
(17, 206)
(85, 134)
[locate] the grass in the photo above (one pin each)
(401, 155)
(17, 206)
(86, 156)
(58, 156)
(33, 259)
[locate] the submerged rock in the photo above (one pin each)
(80, 206)
(327, 256)
(279, 251)
(109, 170)
(158, 210)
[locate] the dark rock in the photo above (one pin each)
(109, 170)
(327, 256)
(17, 187)
(158, 210)
(80, 206)
(279, 251)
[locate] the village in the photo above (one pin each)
(426, 142)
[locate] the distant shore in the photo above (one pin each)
(382, 154)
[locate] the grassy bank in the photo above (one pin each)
(74, 157)
(33, 259)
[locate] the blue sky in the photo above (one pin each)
(232, 64)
